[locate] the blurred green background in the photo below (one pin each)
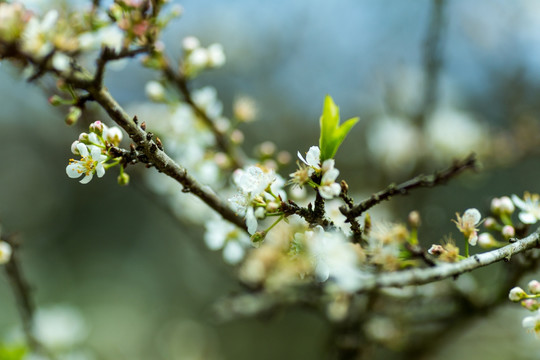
(145, 284)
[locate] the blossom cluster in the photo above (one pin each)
(93, 148)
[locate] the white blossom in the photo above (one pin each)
(36, 38)
(59, 327)
(190, 43)
(221, 234)
(216, 55)
(452, 133)
(394, 143)
(251, 183)
(467, 224)
(329, 189)
(313, 158)
(61, 61)
(529, 206)
(113, 135)
(90, 163)
(334, 258)
(155, 91)
(516, 294)
(532, 323)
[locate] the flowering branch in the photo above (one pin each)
(443, 271)
(158, 157)
(438, 178)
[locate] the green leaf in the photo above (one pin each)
(12, 352)
(332, 134)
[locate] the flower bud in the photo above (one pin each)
(216, 55)
(486, 241)
(490, 223)
(73, 115)
(534, 287)
(237, 137)
(506, 206)
(284, 157)
(74, 148)
(436, 250)
(530, 304)
(190, 43)
(5, 252)
(245, 109)
(516, 294)
(267, 148)
(123, 179)
(258, 238)
(495, 205)
(114, 135)
(414, 219)
(97, 127)
(56, 100)
(155, 91)
(508, 232)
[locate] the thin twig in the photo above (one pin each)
(447, 270)
(23, 296)
(421, 181)
(222, 141)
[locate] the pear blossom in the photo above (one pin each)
(516, 294)
(334, 258)
(532, 323)
(90, 163)
(467, 224)
(251, 184)
(216, 55)
(529, 206)
(224, 235)
(113, 135)
(329, 189)
(534, 287)
(36, 37)
(313, 158)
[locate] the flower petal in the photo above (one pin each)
(313, 157)
(251, 221)
(74, 170)
(233, 253)
(86, 179)
(83, 150)
(527, 218)
(100, 170)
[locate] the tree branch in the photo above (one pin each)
(159, 158)
(438, 178)
(23, 296)
(446, 270)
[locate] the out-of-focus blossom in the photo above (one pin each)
(394, 143)
(529, 206)
(5, 252)
(221, 234)
(451, 133)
